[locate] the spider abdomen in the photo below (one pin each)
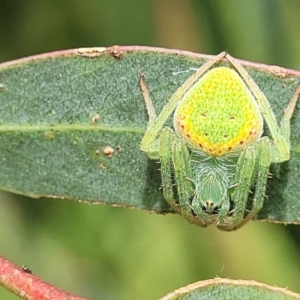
(218, 115)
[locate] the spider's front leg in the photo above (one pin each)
(263, 153)
(252, 171)
(280, 133)
(175, 168)
(244, 177)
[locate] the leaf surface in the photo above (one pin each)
(71, 123)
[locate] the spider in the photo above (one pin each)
(216, 154)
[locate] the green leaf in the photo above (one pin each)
(62, 111)
(230, 289)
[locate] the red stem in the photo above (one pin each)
(27, 286)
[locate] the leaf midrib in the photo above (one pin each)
(70, 127)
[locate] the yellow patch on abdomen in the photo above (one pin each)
(218, 114)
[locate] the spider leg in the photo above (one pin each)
(175, 166)
(222, 220)
(288, 113)
(244, 177)
(165, 153)
(263, 165)
(149, 104)
(280, 134)
(183, 173)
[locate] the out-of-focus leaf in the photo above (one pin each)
(219, 288)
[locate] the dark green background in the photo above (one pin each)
(103, 252)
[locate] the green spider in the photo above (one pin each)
(216, 152)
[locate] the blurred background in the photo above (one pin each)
(102, 252)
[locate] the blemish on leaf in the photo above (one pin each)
(95, 118)
(49, 135)
(115, 52)
(90, 52)
(1, 87)
(118, 148)
(102, 166)
(108, 151)
(279, 71)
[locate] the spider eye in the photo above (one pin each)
(209, 206)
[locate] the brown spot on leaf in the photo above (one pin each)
(115, 51)
(108, 151)
(49, 135)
